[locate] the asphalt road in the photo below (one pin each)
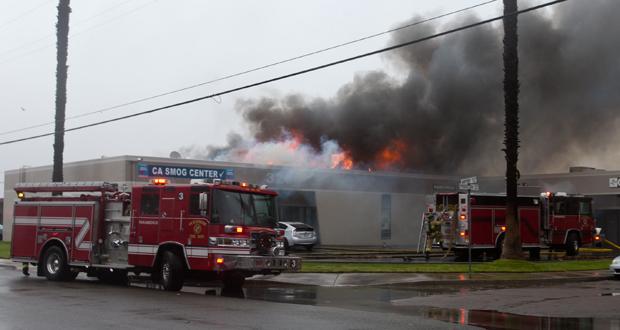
(35, 303)
(27, 303)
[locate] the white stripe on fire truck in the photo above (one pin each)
(142, 249)
(49, 221)
(85, 246)
(145, 249)
(197, 252)
(26, 221)
(85, 227)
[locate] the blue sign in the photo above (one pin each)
(148, 170)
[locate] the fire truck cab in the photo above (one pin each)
(205, 231)
(557, 221)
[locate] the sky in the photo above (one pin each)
(124, 50)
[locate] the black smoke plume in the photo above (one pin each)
(448, 113)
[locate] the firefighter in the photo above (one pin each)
(433, 232)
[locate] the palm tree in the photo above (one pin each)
(512, 242)
(62, 43)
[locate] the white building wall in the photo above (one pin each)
(354, 218)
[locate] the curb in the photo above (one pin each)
(501, 282)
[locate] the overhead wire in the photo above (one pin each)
(24, 14)
(140, 100)
(297, 73)
(72, 35)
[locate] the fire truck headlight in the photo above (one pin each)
(212, 241)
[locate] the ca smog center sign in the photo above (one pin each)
(150, 170)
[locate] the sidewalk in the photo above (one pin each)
(367, 279)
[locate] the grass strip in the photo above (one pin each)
(5, 249)
(497, 266)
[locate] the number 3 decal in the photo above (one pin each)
(180, 196)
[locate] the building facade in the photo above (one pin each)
(347, 207)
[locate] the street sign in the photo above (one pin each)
(472, 187)
(470, 180)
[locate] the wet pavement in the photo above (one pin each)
(518, 301)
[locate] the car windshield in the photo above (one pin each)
(235, 208)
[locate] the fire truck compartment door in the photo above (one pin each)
(24, 242)
(169, 215)
(529, 219)
(482, 226)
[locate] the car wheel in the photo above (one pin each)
(171, 272)
(572, 245)
(55, 266)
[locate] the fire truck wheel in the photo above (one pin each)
(171, 272)
(233, 280)
(55, 266)
(572, 245)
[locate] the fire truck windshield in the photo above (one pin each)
(235, 208)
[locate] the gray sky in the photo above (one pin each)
(122, 50)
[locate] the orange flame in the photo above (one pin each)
(342, 160)
(391, 155)
(295, 142)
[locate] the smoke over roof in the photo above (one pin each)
(447, 116)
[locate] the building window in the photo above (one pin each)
(150, 204)
(386, 217)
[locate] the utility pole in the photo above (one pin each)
(512, 242)
(62, 44)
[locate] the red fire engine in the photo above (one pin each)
(217, 230)
(557, 221)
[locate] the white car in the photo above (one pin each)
(298, 234)
(615, 267)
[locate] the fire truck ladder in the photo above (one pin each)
(422, 236)
(86, 186)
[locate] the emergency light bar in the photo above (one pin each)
(159, 181)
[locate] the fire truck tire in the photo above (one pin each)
(55, 266)
(171, 272)
(233, 280)
(572, 245)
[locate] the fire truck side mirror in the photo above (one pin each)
(203, 201)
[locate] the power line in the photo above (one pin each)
(50, 35)
(35, 50)
(106, 109)
(316, 68)
(24, 14)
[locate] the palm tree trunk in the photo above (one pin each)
(62, 43)
(512, 242)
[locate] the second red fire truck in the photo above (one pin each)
(219, 230)
(552, 220)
